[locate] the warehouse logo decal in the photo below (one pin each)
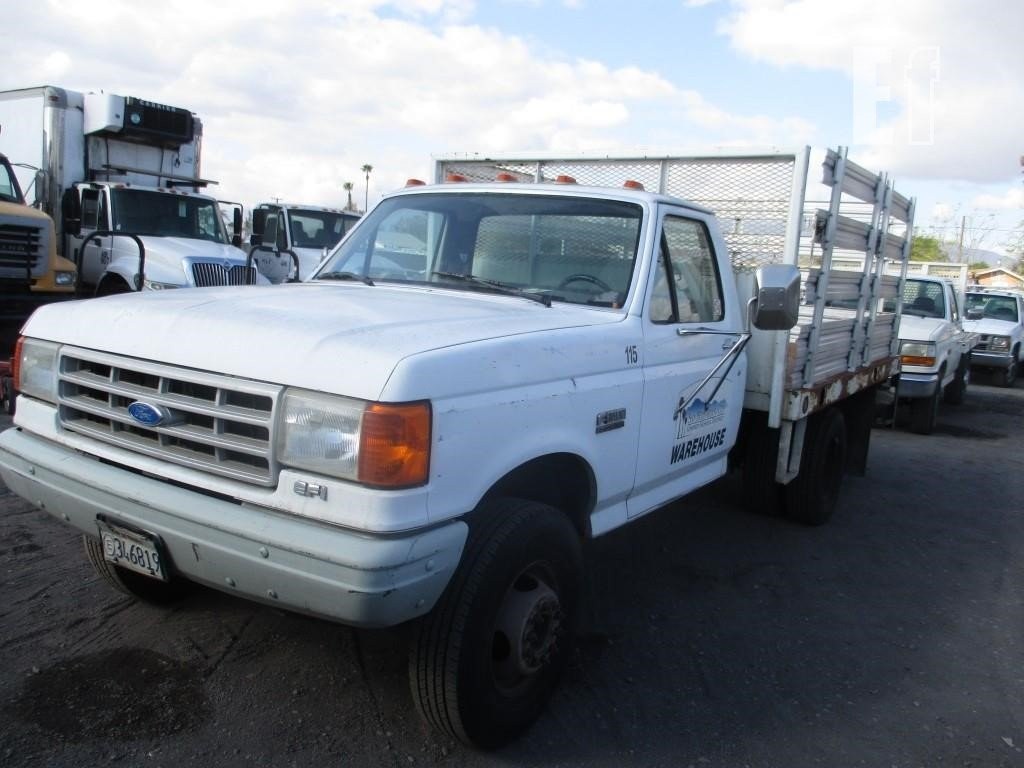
(696, 432)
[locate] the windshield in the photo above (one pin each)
(923, 299)
(571, 249)
(995, 307)
(319, 229)
(145, 212)
(10, 192)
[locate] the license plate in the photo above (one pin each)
(134, 550)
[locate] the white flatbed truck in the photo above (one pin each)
(478, 381)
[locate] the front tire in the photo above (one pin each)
(954, 393)
(923, 413)
(486, 659)
(1008, 376)
(144, 588)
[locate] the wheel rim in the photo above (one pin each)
(527, 631)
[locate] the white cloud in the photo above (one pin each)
(295, 97)
(937, 87)
(1011, 200)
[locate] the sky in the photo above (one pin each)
(296, 96)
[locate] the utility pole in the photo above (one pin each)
(963, 223)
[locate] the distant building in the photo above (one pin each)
(997, 277)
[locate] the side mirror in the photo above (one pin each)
(39, 195)
(975, 313)
(236, 226)
(259, 226)
(777, 305)
(71, 212)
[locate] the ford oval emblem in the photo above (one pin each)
(148, 415)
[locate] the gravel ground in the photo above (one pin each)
(890, 637)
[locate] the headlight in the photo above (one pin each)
(920, 353)
(153, 285)
(999, 343)
(381, 444)
(35, 368)
(64, 278)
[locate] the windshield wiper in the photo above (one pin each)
(497, 287)
(345, 276)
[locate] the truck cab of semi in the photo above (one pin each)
(291, 240)
(120, 176)
(185, 241)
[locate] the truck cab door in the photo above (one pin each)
(93, 259)
(691, 322)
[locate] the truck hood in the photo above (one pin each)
(991, 326)
(913, 328)
(344, 338)
(173, 249)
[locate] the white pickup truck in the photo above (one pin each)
(437, 424)
(935, 350)
(997, 316)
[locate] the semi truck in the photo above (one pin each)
(120, 176)
(480, 380)
(290, 240)
(31, 271)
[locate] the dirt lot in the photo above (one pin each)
(891, 637)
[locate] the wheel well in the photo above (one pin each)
(561, 480)
(111, 282)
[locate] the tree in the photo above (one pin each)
(347, 186)
(926, 248)
(366, 201)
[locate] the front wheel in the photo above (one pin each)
(1008, 376)
(923, 413)
(954, 393)
(144, 588)
(486, 659)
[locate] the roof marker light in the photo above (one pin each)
(414, 183)
(505, 177)
(455, 177)
(563, 178)
(633, 184)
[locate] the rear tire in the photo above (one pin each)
(144, 588)
(486, 659)
(811, 497)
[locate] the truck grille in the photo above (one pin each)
(21, 251)
(212, 423)
(207, 274)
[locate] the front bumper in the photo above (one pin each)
(274, 558)
(990, 359)
(917, 385)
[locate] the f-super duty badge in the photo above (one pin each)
(610, 420)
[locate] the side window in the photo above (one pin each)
(687, 286)
(90, 209)
(270, 233)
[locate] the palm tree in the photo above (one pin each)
(347, 186)
(366, 201)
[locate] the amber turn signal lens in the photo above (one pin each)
(394, 450)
